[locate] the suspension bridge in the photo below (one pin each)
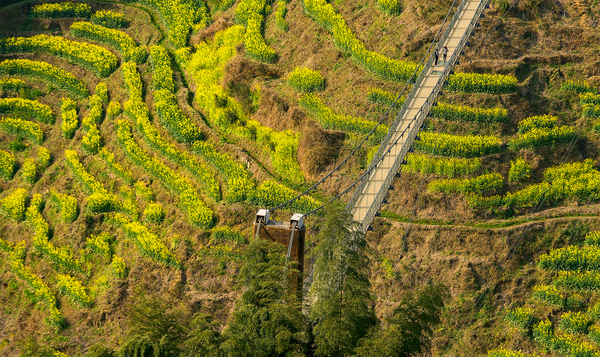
(369, 191)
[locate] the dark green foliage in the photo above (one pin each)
(204, 338)
(409, 330)
(267, 320)
(343, 307)
(153, 330)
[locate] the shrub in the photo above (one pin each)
(441, 165)
(73, 290)
(61, 10)
(45, 72)
(26, 109)
(325, 15)
(446, 111)
(481, 83)
(519, 170)
(456, 145)
(89, 56)
(69, 118)
(7, 165)
(330, 120)
(13, 205)
(110, 19)
(114, 38)
(479, 184)
(154, 213)
(66, 204)
(306, 80)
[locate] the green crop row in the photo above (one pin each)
(575, 322)
(479, 184)
(306, 80)
(239, 185)
(571, 258)
(330, 120)
(380, 96)
(116, 39)
(502, 352)
(26, 109)
(92, 141)
(139, 112)
(60, 257)
(446, 111)
(589, 98)
(11, 85)
(256, 47)
(549, 295)
(537, 122)
(564, 344)
(520, 317)
(199, 214)
(7, 165)
(23, 128)
(100, 245)
(162, 72)
(114, 166)
(132, 81)
(45, 72)
(325, 15)
(577, 86)
(62, 10)
(578, 180)
(519, 170)
(73, 290)
(88, 182)
(110, 19)
(225, 233)
(40, 289)
(457, 145)
(68, 109)
(179, 17)
(539, 137)
(591, 110)
(147, 242)
(92, 57)
(29, 171)
(177, 124)
(113, 110)
(154, 212)
(271, 194)
(481, 83)
(66, 204)
(392, 7)
(280, 14)
(13, 205)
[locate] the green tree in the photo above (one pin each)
(341, 291)
(267, 320)
(204, 338)
(409, 329)
(154, 331)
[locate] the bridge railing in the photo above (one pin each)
(418, 119)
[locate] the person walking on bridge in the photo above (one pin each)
(445, 53)
(437, 55)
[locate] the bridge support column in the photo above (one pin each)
(290, 234)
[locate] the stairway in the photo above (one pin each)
(371, 191)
